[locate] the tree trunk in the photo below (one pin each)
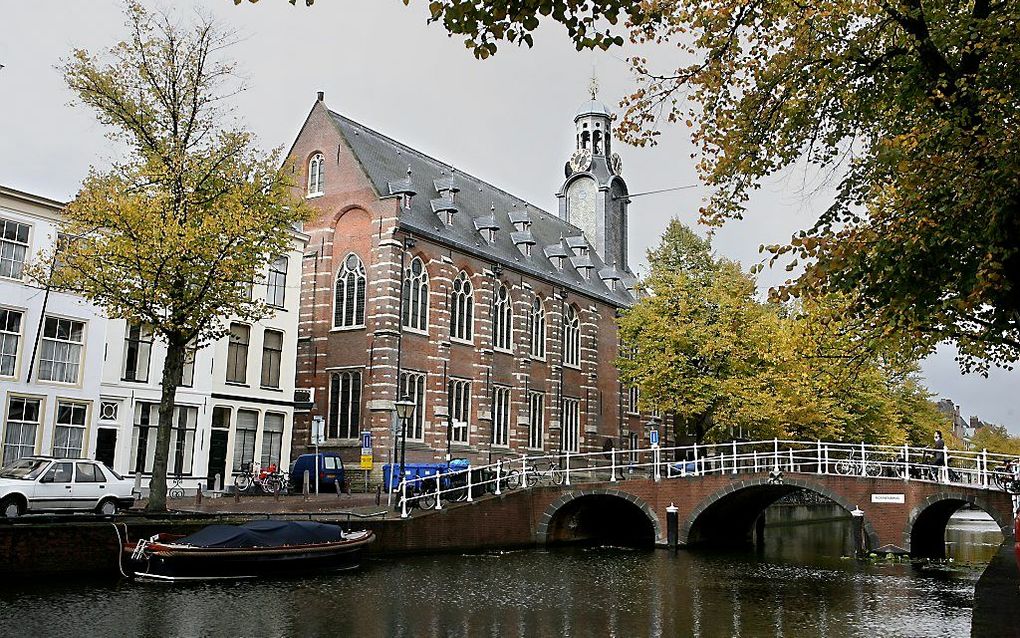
(172, 370)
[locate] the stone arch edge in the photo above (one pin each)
(1005, 524)
(542, 531)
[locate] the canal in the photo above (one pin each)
(797, 585)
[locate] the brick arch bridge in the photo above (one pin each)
(713, 509)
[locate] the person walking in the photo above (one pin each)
(940, 458)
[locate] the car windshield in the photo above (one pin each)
(27, 469)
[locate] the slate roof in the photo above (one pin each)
(386, 163)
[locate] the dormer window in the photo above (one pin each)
(316, 175)
(489, 234)
(526, 249)
(405, 201)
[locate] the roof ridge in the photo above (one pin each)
(451, 167)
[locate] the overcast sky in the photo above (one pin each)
(507, 120)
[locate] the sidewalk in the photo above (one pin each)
(321, 504)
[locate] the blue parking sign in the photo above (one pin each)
(653, 437)
(366, 440)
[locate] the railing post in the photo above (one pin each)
(790, 450)
(734, 456)
(403, 498)
(567, 475)
(696, 460)
(945, 464)
(818, 467)
(470, 495)
(612, 460)
(826, 450)
(656, 463)
(754, 454)
(906, 462)
(499, 478)
(864, 461)
(984, 468)
(683, 466)
(775, 453)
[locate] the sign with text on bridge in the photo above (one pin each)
(887, 498)
(653, 438)
(366, 450)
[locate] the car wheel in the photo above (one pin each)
(107, 508)
(10, 508)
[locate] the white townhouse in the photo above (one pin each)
(235, 404)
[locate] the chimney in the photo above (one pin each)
(320, 95)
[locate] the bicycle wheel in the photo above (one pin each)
(513, 479)
(873, 469)
(555, 475)
(242, 483)
(427, 501)
(272, 485)
(844, 467)
(531, 478)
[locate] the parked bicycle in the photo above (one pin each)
(245, 480)
(853, 466)
(273, 480)
(544, 473)
(1007, 476)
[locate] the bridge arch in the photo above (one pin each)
(727, 516)
(608, 515)
(925, 532)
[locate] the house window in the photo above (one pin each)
(109, 410)
(633, 395)
(13, 247)
(316, 175)
(237, 353)
(10, 337)
(182, 438)
(571, 425)
(69, 432)
(416, 296)
(349, 303)
(276, 282)
(21, 428)
(536, 414)
(502, 320)
(137, 351)
(571, 338)
(244, 438)
(188, 369)
(500, 415)
(462, 314)
(632, 445)
(412, 385)
(272, 439)
(344, 405)
(272, 355)
(460, 409)
(537, 328)
(62, 344)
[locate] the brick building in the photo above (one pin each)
(497, 317)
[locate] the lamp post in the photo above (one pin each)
(404, 407)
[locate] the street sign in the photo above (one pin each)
(366, 440)
(888, 498)
(653, 438)
(366, 461)
(318, 430)
(366, 450)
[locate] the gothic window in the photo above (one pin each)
(571, 337)
(316, 170)
(344, 405)
(462, 313)
(502, 319)
(633, 394)
(536, 325)
(571, 425)
(412, 385)
(501, 415)
(416, 296)
(536, 414)
(349, 301)
(460, 409)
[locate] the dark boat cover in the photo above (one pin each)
(264, 534)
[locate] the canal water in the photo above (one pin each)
(798, 585)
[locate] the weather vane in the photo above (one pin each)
(593, 86)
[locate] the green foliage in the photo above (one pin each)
(175, 232)
(995, 438)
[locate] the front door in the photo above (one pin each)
(54, 490)
(217, 458)
(106, 446)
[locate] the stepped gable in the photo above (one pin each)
(386, 162)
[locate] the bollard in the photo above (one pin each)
(198, 495)
(378, 495)
(276, 492)
(673, 526)
(237, 494)
(306, 486)
(336, 484)
(219, 483)
(859, 539)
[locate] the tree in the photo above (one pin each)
(172, 235)
(995, 438)
(908, 108)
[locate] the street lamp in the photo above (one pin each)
(404, 407)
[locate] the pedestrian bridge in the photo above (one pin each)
(904, 495)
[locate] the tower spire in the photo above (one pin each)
(593, 84)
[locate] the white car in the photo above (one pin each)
(44, 484)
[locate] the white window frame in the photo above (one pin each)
(502, 319)
(501, 404)
(633, 398)
(416, 298)
(316, 175)
(537, 325)
(55, 343)
(341, 420)
(13, 249)
(234, 347)
(459, 396)
(244, 444)
(349, 294)
(572, 337)
(536, 420)
(272, 440)
(73, 421)
(143, 355)
(268, 358)
(145, 416)
(25, 445)
(462, 309)
(11, 340)
(571, 426)
(276, 282)
(413, 385)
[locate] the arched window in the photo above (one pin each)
(316, 169)
(571, 337)
(349, 302)
(416, 296)
(536, 326)
(502, 319)
(462, 312)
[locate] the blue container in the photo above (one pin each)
(414, 472)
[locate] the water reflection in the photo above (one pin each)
(799, 586)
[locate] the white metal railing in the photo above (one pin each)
(981, 470)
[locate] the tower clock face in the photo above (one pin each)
(581, 195)
(580, 160)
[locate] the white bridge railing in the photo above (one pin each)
(980, 470)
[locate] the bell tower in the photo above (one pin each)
(594, 196)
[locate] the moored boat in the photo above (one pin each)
(254, 549)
